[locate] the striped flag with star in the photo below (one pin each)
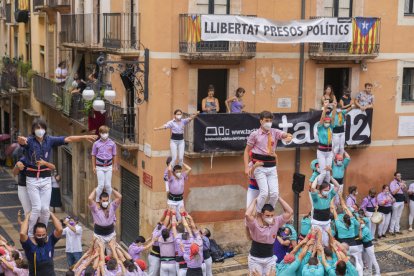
(365, 35)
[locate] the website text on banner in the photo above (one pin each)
(254, 29)
(229, 132)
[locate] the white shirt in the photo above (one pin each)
(73, 240)
(63, 72)
(55, 184)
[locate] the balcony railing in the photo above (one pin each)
(365, 44)
(192, 47)
(8, 13)
(48, 92)
(43, 4)
(2, 10)
(80, 30)
(121, 123)
(120, 31)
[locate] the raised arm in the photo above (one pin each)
(314, 184)
(58, 226)
(333, 209)
(24, 228)
(333, 113)
(246, 158)
(187, 169)
(323, 115)
(117, 195)
(92, 197)
(74, 139)
(288, 211)
(250, 214)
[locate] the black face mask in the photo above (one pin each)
(40, 242)
(372, 196)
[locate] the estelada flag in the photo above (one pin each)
(365, 35)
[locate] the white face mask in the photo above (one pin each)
(325, 193)
(105, 204)
(40, 132)
(326, 124)
(104, 136)
(356, 193)
(339, 163)
(267, 125)
(178, 117)
(178, 175)
(362, 225)
(268, 220)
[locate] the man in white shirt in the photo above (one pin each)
(61, 73)
(73, 234)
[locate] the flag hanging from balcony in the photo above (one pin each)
(365, 35)
(193, 29)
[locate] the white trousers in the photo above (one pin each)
(251, 195)
(397, 209)
(356, 252)
(176, 205)
(338, 143)
(24, 199)
(383, 227)
(261, 265)
(324, 159)
(411, 216)
(207, 267)
(369, 253)
(40, 191)
(154, 265)
(168, 269)
(104, 175)
(372, 225)
(177, 151)
(323, 226)
(267, 181)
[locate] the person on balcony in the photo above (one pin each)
(61, 73)
(328, 95)
(38, 150)
(177, 135)
(103, 161)
(365, 100)
(76, 101)
(346, 101)
(235, 104)
(210, 104)
(262, 143)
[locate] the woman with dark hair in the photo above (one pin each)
(385, 201)
(351, 200)
(370, 205)
(167, 253)
(55, 200)
(235, 104)
(210, 104)
(61, 73)
(177, 135)
(328, 95)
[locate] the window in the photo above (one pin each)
(405, 167)
(213, 6)
(408, 85)
(338, 8)
(408, 7)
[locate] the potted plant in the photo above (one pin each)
(58, 101)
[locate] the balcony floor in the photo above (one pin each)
(341, 57)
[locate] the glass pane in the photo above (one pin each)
(328, 12)
(407, 6)
(344, 13)
(328, 3)
(220, 2)
(203, 9)
(344, 3)
(202, 2)
(220, 9)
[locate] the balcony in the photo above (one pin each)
(121, 33)
(365, 44)
(192, 48)
(8, 13)
(48, 92)
(61, 6)
(122, 125)
(80, 31)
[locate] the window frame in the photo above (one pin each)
(410, 8)
(336, 8)
(211, 4)
(410, 71)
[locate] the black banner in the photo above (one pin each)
(229, 132)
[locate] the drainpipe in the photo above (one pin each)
(297, 150)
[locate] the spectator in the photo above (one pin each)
(39, 250)
(210, 104)
(385, 201)
(73, 234)
(411, 204)
(397, 188)
(235, 104)
(328, 95)
(61, 73)
(55, 200)
(346, 101)
(365, 100)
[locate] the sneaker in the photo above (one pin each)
(410, 229)
(399, 233)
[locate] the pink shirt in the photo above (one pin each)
(104, 150)
(99, 216)
(395, 185)
(116, 272)
(196, 261)
(177, 185)
(167, 248)
(385, 199)
(20, 272)
(135, 251)
(177, 126)
(265, 234)
(8, 272)
(258, 140)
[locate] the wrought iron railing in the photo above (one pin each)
(190, 40)
(121, 123)
(80, 29)
(56, 3)
(120, 31)
(38, 3)
(8, 13)
(366, 41)
(48, 92)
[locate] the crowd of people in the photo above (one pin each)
(336, 237)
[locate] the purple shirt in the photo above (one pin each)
(20, 272)
(8, 272)
(387, 197)
(236, 106)
(369, 202)
(177, 185)
(351, 201)
(166, 174)
(99, 216)
(265, 234)
(167, 248)
(177, 241)
(258, 140)
(116, 272)
(135, 251)
(156, 233)
(177, 127)
(395, 185)
(195, 261)
(104, 150)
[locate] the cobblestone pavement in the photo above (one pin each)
(395, 254)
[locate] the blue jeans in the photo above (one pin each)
(73, 258)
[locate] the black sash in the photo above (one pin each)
(181, 262)
(339, 180)
(31, 171)
(103, 162)
(177, 136)
(167, 259)
(43, 268)
(349, 241)
(155, 251)
(399, 197)
(174, 197)
(411, 197)
(206, 254)
(261, 250)
(321, 215)
(371, 209)
(367, 244)
(191, 271)
(268, 161)
(338, 129)
(324, 148)
(385, 209)
(103, 230)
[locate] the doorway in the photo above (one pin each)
(130, 206)
(338, 78)
(217, 78)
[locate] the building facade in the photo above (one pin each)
(179, 71)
